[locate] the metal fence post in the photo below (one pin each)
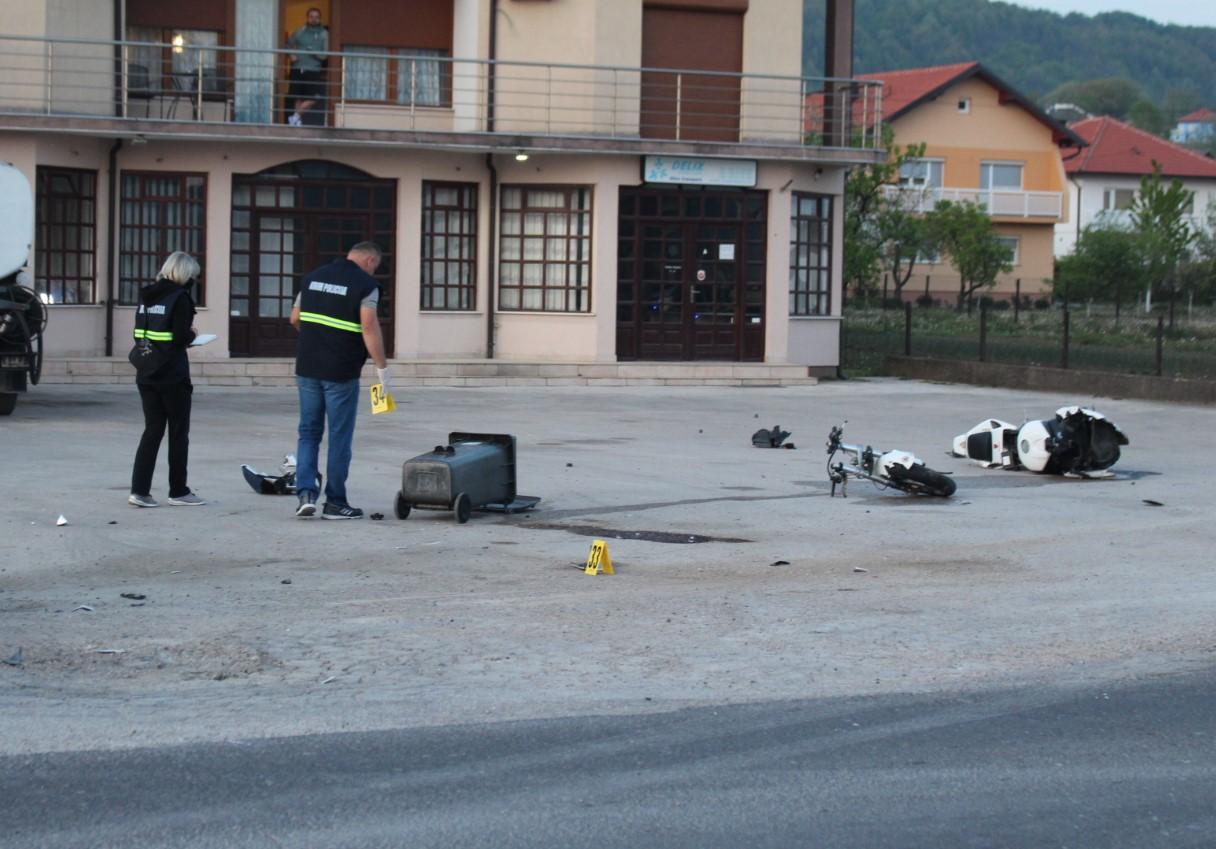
(1160, 342)
(679, 101)
(907, 330)
(1017, 299)
(983, 331)
(50, 75)
(1064, 348)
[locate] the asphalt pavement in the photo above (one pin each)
(1125, 767)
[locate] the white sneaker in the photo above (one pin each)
(142, 500)
(294, 120)
(187, 500)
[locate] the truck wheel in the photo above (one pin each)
(922, 480)
(8, 403)
(402, 507)
(463, 508)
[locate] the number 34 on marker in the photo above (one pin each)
(381, 403)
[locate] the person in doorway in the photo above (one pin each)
(305, 86)
(335, 313)
(165, 318)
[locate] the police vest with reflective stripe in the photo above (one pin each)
(155, 322)
(331, 334)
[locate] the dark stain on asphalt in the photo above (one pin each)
(645, 536)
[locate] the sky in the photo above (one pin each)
(1199, 13)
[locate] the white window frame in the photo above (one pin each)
(1110, 199)
(986, 170)
(1015, 260)
(927, 181)
(964, 105)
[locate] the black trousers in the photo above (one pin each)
(164, 406)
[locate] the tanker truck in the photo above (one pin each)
(23, 316)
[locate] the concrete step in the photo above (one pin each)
(280, 371)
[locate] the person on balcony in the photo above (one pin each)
(305, 85)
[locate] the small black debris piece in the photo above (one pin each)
(780, 563)
(1151, 503)
(769, 438)
(16, 659)
(285, 581)
(376, 517)
(134, 596)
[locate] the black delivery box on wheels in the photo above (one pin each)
(473, 471)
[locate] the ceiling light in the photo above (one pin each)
(521, 157)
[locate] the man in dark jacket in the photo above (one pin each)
(164, 320)
(335, 313)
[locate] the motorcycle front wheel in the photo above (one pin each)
(922, 480)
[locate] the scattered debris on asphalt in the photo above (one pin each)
(376, 517)
(285, 581)
(780, 563)
(61, 521)
(769, 438)
(1150, 502)
(330, 678)
(112, 522)
(134, 596)
(859, 569)
(17, 658)
(109, 651)
(83, 607)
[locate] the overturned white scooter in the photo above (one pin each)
(900, 470)
(1078, 442)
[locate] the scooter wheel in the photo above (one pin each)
(401, 507)
(463, 508)
(922, 480)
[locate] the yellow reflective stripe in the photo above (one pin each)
(137, 333)
(154, 335)
(330, 321)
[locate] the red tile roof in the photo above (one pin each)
(904, 90)
(1199, 116)
(1119, 148)
(901, 89)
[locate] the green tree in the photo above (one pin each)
(1160, 214)
(1107, 264)
(1114, 96)
(865, 198)
(965, 233)
(1145, 115)
(904, 236)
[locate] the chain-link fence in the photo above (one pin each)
(1081, 337)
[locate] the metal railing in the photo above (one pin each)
(209, 84)
(998, 202)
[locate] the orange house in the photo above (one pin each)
(988, 144)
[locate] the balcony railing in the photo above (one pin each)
(997, 202)
(214, 85)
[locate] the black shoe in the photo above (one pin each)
(308, 506)
(340, 511)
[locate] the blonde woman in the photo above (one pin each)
(165, 320)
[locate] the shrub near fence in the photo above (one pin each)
(1083, 338)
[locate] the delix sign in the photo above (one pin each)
(697, 171)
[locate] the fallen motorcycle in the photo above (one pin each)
(1078, 442)
(900, 470)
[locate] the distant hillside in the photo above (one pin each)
(1035, 51)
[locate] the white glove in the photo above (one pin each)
(382, 377)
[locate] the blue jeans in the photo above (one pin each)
(337, 401)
